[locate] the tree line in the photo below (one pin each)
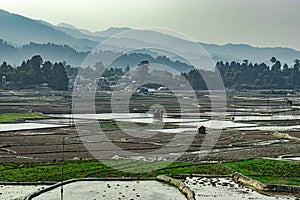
(247, 75)
(235, 75)
(34, 72)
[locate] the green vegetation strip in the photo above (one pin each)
(268, 171)
(31, 172)
(263, 170)
(11, 117)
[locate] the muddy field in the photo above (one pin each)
(46, 145)
(233, 143)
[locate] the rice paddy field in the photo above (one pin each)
(255, 134)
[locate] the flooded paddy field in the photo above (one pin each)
(249, 127)
(204, 188)
(237, 141)
(18, 192)
(224, 188)
(246, 130)
(114, 190)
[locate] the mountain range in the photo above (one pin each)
(22, 37)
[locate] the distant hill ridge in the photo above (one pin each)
(20, 30)
(52, 52)
(23, 37)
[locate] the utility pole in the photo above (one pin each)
(62, 169)
(234, 107)
(269, 103)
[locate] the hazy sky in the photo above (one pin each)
(255, 22)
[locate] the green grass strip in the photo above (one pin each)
(39, 171)
(268, 171)
(11, 117)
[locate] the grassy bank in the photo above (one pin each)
(18, 172)
(268, 171)
(11, 117)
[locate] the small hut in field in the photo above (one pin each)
(201, 130)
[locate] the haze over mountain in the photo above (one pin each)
(17, 32)
(229, 52)
(52, 52)
(240, 52)
(83, 33)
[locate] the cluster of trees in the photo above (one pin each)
(195, 78)
(235, 75)
(247, 75)
(33, 73)
(260, 76)
(133, 59)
